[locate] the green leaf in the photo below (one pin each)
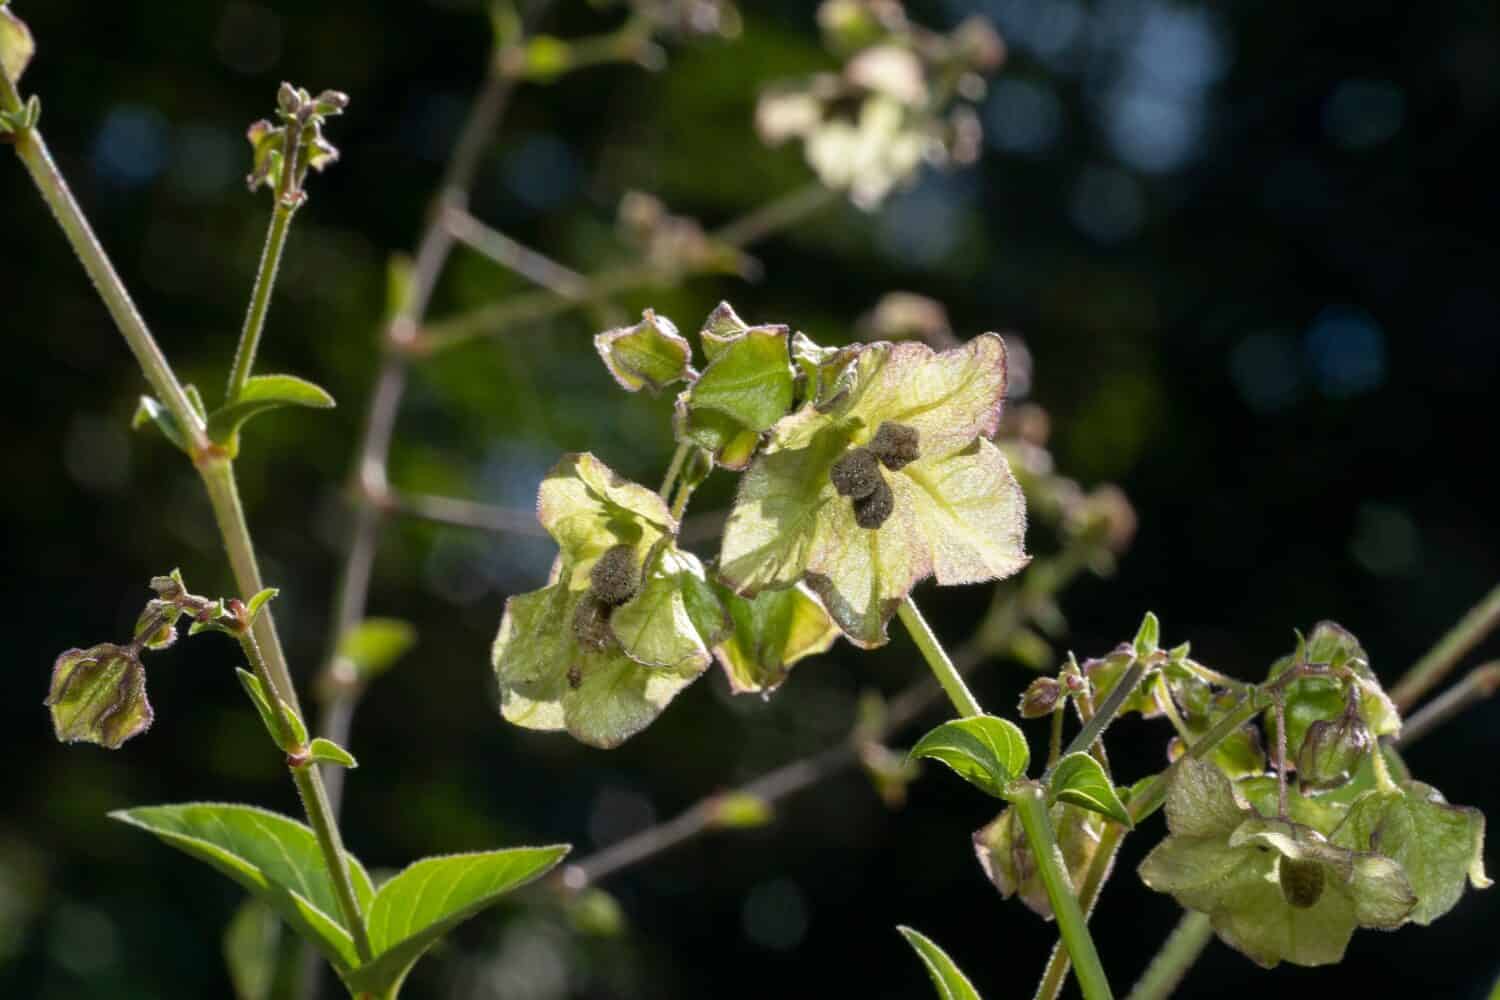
(772, 632)
(252, 950)
(587, 507)
(375, 644)
(1439, 846)
(751, 379)
(98, 695)
(424, 902)
(328, 752)
(16, 46)
(275, 858)
(260, 600)
(986, 751)
(649, 355)
(1080, 779)
(261, 394)
(947, 979)
(1147, 637)
(150, 411)
(655, 628)
(260, 698)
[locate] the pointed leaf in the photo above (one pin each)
(649, 355)
(431, 897)
(750, 380)
(375, 644)
(276, 858)
(151, 411)
(1147, 637)
(947, 979)
(772, 632)
(1080, 780)
(328, 752)
(260, 600)
(986, 751)
(261, 394)
(261, 699)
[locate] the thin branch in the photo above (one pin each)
(1482, 619)
(1479, 684)
(513, 255)
(1166, 971)
(776, 215)
(937, 660)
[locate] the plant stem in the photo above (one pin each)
(1479, 684)
(674, 469)
(1177, 955)
(937, 659)
(512, 255)
(1055, 976)
(320, 814)
(1443, 657)
(260, 298)
(224, 496)
(1030, 804)
(776, 215)
(1105, 714)
(32, 150)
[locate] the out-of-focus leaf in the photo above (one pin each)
(276, 858)
(947, 979)
(16, 45)
(375, 644)
(431, 897)
(252, 950)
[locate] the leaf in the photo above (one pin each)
(428, 899)
(261, 394)
(252, 950)
(1439, 846)
(275, 858)
(375, 644)
(1007, 859)
(772, 632)
(151, 411)
(750, 380)
(98, 695)
(1080, 780)
(260, 698)
(649, 355)
(1147, 637)
(328, 752)
(986, 751)
(655, 628)
(947, 979)
(587, 507)
(16, 46)
(259, 601)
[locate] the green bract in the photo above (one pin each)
(771, 633)
(649, 355)
(1006, 857)
(958, 512)
(98, 695)
(604, 686)
(746, 388)
(1274, 890)
(1322, 697)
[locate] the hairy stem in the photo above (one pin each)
(32, 150)
(260, 298)
(937, 659)
(320, 814)
(1177, 955)
(1055, 976)
(1482, 619)
(1030, 803)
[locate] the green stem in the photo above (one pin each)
(679, 458)
(229, 512)
(1055, 977)
(320, 814)
(260, 299)
(937, 660)
(32, 150)
(1030, 803)
(1177, 955)
(1480, 683)
(1106, 712)
(1483, 618)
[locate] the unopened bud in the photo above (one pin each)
(1332, 750)
(1041, 698)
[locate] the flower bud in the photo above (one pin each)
(872, 511)
(98, 695)
(1041, 698)
(856, 474)
(895, 445)
(1332, 750)
(615, 578)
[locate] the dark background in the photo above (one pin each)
(1250, 246)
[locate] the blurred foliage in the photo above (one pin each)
(1249, 249)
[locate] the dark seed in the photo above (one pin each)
(591, 624)
(575, 676)
(856, 474)
(895, 445)
(1301, 882)
(872, 511)
(615, 577)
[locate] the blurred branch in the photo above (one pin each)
(1452, 647)
(514, 256)
(1478, 685)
